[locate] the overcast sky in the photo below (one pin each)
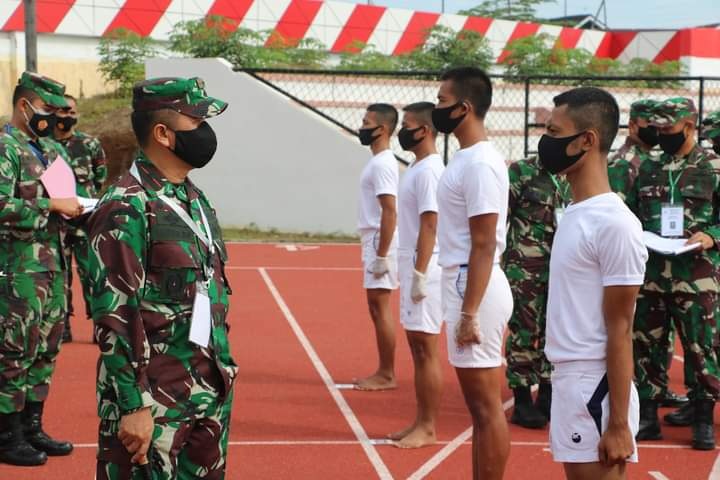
(630, 14)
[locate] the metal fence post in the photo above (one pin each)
(527, 116)
(701, 103)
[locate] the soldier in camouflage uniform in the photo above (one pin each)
(157, 263)
(678, 194)
(711, 130)
(536, 201)
(87, 159)
(32, 277)
(623, 165)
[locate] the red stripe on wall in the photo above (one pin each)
(359, 27)
(49, 14)
(140, 16)
(569, 37)
(522, 30)
(235, 10)
(697, 42)
(478, 24)
(295, 22)
(416, 31)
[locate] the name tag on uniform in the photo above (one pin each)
(201, 321)
(559, 212)
(671, 220)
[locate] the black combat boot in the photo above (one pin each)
(544, 399)
(14, 450)
(525, 414)
(672, 399)
(649, 423)
(682, 417)
(703, 429)
(67, 332)
(35, 436)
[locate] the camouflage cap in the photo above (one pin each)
(671, 111)
(51, 91)
(711, 126)
(643, 108)
(183, 95)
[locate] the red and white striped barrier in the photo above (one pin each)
(338, 25)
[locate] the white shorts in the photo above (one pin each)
(492, 318)
(389, 281)
(580, 411)
(425, 316)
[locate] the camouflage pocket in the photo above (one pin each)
(171, 274)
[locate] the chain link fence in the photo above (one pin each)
(518, 113)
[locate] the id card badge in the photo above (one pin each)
(201, 321)
(559, 212)
(671, 220)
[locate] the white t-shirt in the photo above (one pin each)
(379, 177)
(475, 182)
(597, 244)
(418, 194)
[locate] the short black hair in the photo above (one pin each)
(144, 121)
(386, 114)
(22, 92)
(70, 97)
(592, 107)
(423, 112)
(473, 85)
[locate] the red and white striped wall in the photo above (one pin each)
(339, 25)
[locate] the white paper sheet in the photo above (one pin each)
(88, 204)
(201, 319)
(667, 246)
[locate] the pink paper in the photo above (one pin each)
(59, 180)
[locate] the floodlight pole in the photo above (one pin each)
(30, 36)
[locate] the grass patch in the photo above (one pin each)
(104, 113)
(255, 234)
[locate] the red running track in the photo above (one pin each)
(299, 325)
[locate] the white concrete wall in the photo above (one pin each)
(277, 165)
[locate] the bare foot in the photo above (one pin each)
(375, 383)
(418, 438)
(402, 433)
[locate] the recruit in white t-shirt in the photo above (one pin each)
(475, 182)
(417, 195)
(597, 244)
(379, 177)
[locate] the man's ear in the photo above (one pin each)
(161, 133)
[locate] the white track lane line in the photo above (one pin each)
(370, 451)
(448, 449)
(658, 475)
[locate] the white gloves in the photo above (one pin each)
(380, 267)
(418, 291)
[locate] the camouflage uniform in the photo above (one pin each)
(32, 278)
(146, 263)
(624, 164)
(87, 159)
(711, 129)
(682, 288)
(533, 198)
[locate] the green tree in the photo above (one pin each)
(445, 48)
(292, 53)
(217, 36)
(364, 57)
(506, 9)
(122, 55)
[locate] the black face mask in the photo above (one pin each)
(407, 139)
(648, 135)
(65, 124)
(196, 147)
(442, 120)
(41, 123)
(366, 135)
(716, 147)
(552, 153)
(671, 142)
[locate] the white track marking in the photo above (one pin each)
(658, 475)
(355, 426)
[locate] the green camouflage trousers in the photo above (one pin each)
(32, 310)
(77, 246)
(182, 448)
(695, 318)
(525, 344)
